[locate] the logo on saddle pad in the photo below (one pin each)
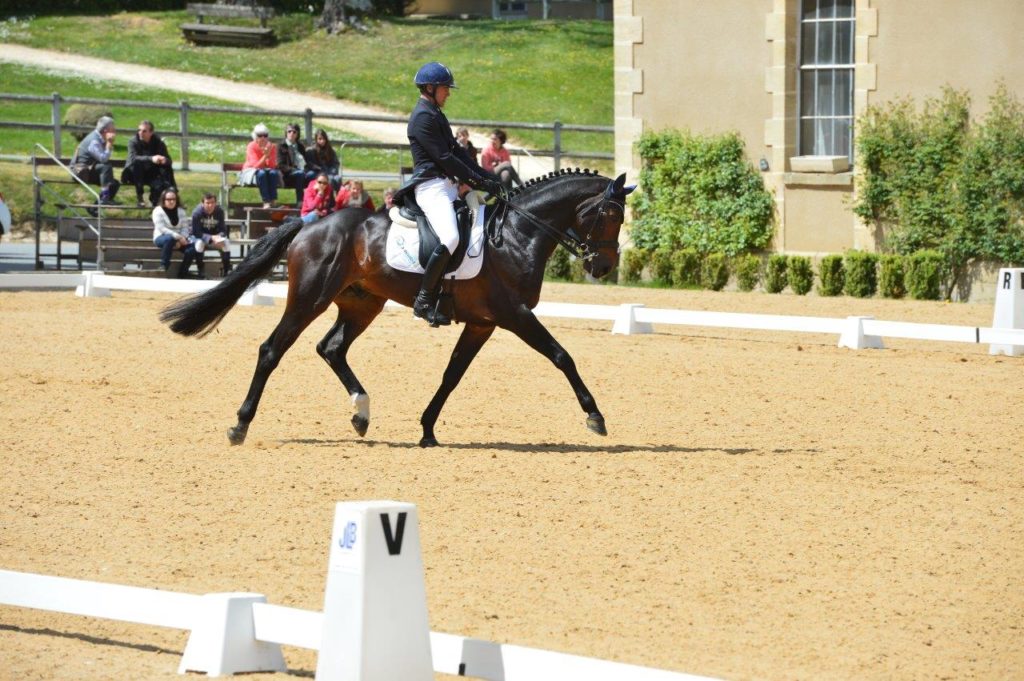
(403, 245)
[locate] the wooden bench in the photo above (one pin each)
(220, 34)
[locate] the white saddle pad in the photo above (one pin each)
(403, 246)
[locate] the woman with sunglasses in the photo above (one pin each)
(172, 230)
(318, 199)
(260, 167)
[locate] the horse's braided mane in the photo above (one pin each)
(543, 179)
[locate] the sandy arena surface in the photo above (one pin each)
(766, 505)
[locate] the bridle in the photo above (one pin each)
(585, 248)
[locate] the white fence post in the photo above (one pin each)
(223, 639)
(853, 335)
(375, 603)
(1009, 310)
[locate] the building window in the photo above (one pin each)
(826, 78)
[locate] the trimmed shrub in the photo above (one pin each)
(558, 266)
(699, 191)
(800, 274)
(686, 266)
(831, 275)
(775, 273)
(861, 280)
(661, 266)
(631, 265)
(891, 276)
(924, 275)
(84, 115)
(714, 271)
(748, 271)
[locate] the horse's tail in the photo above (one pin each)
(200, 314)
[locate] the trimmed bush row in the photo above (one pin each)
(920, 275)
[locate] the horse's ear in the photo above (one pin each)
(617, 187)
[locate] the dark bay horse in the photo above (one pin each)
(340, 259)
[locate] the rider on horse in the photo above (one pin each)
(439, 163)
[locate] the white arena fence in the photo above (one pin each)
(856, 332)
(374, 625)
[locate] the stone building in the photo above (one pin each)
(792, 76)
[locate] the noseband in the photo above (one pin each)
(585, 248)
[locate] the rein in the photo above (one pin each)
(581, 247)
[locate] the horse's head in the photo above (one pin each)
(599, 220)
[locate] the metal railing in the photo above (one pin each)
(185, 133)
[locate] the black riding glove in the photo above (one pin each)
(492, 187)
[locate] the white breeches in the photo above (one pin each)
(435, 198)
(215, 241)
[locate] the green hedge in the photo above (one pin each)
(700, 192)
(891, 276)
(861, 280)
(800, 274)
(558, 265)
(775, 273)
(925, 274)
(831, 276)
(714, 271)
(661, 266)
(748, 271)
(686, 268)
(631, 265)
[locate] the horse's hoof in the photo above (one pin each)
(361, 424)
(595, 422)
(236, 435)
(428, 441)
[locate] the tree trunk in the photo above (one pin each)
(333, 17)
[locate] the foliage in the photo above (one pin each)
(714, 271)
(85, 115)
(748, 271)
(861, 280)
(831, 276)
(700, 192)
(661, 266)
(891, 275)
(576, 271)
(932, 180)
(924, 276)
(775, 273)
(800, 274)
(686, 268)
(558, 266)
(631, 265)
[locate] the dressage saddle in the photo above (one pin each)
(411, 211)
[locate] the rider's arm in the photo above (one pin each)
(429, 133)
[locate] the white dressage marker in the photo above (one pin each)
(1009, 312)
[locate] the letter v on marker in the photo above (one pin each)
(394, 541)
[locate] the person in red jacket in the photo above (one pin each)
(318, 199)
(352, 195)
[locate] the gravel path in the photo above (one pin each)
(256, 95)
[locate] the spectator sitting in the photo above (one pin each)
(351, 195)
(321, 158)
(91, 162)
(209, 230)
(389, 198)
(291, 161)
(148, 163)
(318, 200)
(496, 159)
(171, 231)
(260, 167)
(462, 138)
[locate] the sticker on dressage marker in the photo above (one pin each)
(346, 548)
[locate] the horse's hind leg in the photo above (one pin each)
(294, 321)
(355, 313)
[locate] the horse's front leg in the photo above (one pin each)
(536, 335)
(472, 339)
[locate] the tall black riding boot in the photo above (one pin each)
(425, 306)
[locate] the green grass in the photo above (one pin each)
(532, 71)
(25, 80)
